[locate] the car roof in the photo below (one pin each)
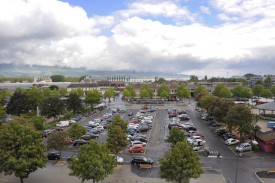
(138, 157)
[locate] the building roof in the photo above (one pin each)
(266, 136)
(82, 85)
(268, 106)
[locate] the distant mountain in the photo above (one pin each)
(39, 70)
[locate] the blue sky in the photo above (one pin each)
(201, 37)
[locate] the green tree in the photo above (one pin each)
(57, 140)
(273, 90)
(220, 108)
(183, 92)
(19, 103)
(58, 78)
(257, 89)
(241, 117)
(117, 139)
(21, 150)
(55, 93)
(132, 91)
(161, 81)
(266, 93)
(180, 164)
(146, 91)
(126, 93)
(38, 122)
(94, 162)
(54, 87)
(241, 92)
(74, 103)
(221, 91)
(3, 113)
(163, 91)
(4, 94)
(47, 92)
(35, 97)
(92, 97)
(175, 136)
(268, 82)
(109, 93)
(52, 107)
(63, 92)
(200, 91)
(118, 121)
(206, 102)
(76, 131)
(194, 78)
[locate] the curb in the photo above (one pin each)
(258, 177)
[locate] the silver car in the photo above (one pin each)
(244, 147)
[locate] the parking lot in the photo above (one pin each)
(229, 164)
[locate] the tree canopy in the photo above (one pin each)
(180, 164)
(19, 103)
(52, 107)
(76, 131)
(109, 93)
(257, 89)
(58, 78)
(183, 91)
(92, 97)
(117, 138)
(175, 136)
(146, 91)
(242, 92)
(21, 150)
(57, 140)
(266, 93)
(74, 103)
(200, 91)
(241, 117)
(221, 91)
(163, 91)
(94, 162)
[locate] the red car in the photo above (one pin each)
(145, 107)
(137, 148)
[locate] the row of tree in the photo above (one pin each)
(49, 101)
(22, 150)
(234, 116)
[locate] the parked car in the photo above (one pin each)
(138, 148)
(53, 155)
(221, 131)
(135, 142)
(130, 114)
(190, 128)
(144, 128)
(140, 138)
(79, 142)
(141, 160)
(86, 137)
(63, 124)
(228, 136)
(184, 117)
(119, 160)
(93, 136)
(244, 147)
(231, 141)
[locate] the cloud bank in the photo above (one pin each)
(165, 36)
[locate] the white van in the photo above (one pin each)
(63, 124)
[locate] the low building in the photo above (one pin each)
(266, 140)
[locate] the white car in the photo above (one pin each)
(97, 120)
(119, 159)
(198, 142)
(93, 123)
(191, 139)
(138, 142)
(231, 141)
(100, 127)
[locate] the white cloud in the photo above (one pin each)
(50, 32)
(205, 10)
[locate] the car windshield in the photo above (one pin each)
(145, 159)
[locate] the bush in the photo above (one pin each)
(255, 148)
